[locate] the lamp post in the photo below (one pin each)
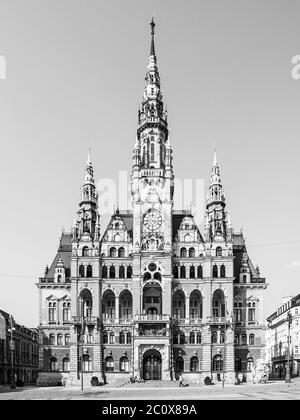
(12, 349)
(288, 369)
(81, 341)
(280, 359)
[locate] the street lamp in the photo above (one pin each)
(11, 329)
(288, 370)
(82, 340)
(280, 358)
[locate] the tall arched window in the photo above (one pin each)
(194, 364)
(81, 270)
(217, 363)
(128, 338)
(124, 364)
(152, 152)
(53, 364)
(89, 271)
(111, 338)
(244, 278)
(59, 339)
(215, 271)
(175, 271)
(251, 339)
(109, 364)
(182, 338)
(200, 272)
(250, 364)
(87, 364)
(237, 364)
(192, 338)
(52, 311)
(112, 272)
(199, 338)
(129, 272)
(192, 253)
(222, 337)
(85, 251)
(244, 339)
(122, 338)
(113, 252)
(66, 312)
(66, 364)
(105, 338)
(183, 253)
(121, 252)
(192, 272)
(104, 272)
(223, 271)
(67, 339)
(214, 337)
(182, 272)
(219, 251)
(121, 272)
(52, 340)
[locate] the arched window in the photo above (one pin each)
(182, 272)
(52, 340)
(192, 253)
(66, 312)
(66, 364)
(183, 253)
(112, 272)
(192, 338)
(194, 364)
(157, 276)
(122, 338)
(251, 339)
(53, 364)
(128, 338)
(89, 271)
(218, 251)
(129, 272)
(223, 271)
(200, 272)
(85, 251)
(152, 152)
(121, 272)
(244, 278)
(147, 276)
(52, 311)
(117, 226)
(121, 252)
(192, 272)
(244, 339)
(215, 271)
(105, 338)
(250, 364)
(113, 252)
(187, 238)
(81, 270)
(214, 337)
(104, 272)
(175, 271)
(222, 337)
(238, 364)
(217, 363)
(87, 364)
(67, 339)
(109, 364)
(124, 364)
(59, 340)
(199, 338)
(59, 278)
(111, 338)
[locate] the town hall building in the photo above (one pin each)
(150, 296)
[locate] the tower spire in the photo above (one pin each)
(152, 49)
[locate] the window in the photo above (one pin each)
(238, 364)
(250, 364)
(219, 251)
(104, 272)
(111, 338)
(113, 252)
(67, 339)
(81, 270)
(53, 364)
(59, 278)
(152, 148)
(194, 365)
(109, 364)
(199, 338)
(251, 314)
(122, 338)
(124, 364)
(192, 272)
(183, 253)
(217, 363)
(244, 339)
(200, 272)
(128, 338)
(182, 272)
(66, 311)
(87, 364)
(121, 252)
(244, 278)
(182, 338)
(222, 337)
(66, 364)
(89, 271)
(52, 340)
(175, 271)
(251, 340)
(59, 340)
(112, 272)
(121, 272)
(192, 253)
(192, 338)
(129, 272)
(214, 337)
(52, 311)
(105, 338)
(215, 271)
(85, 251)
(223, 271)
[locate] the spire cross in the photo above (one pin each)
(152, 50)
(89, 153)
(152, 24)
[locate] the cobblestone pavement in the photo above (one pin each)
(269, 391)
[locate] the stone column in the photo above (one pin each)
(187, 307)
(229, 356)
(206, 354)
(117, 308)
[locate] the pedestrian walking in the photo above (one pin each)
(180, 381)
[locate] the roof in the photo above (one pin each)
(64, 252)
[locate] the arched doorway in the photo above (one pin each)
(179, 367)
(152, 365)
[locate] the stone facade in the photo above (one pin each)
(151, 297)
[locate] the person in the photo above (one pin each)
(180, 380)
(240, 377)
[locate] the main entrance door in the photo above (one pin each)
(152, 365)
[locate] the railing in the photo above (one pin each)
(87, 319)
(165, 318)
(122, 321)
(153, 332)
(217, 320)
(152, 172)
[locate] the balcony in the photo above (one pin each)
(152, 318)
(217, 320)
(152, 172)
(193, 321)
(88, 320)
(121, 321)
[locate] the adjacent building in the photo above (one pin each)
(151, 296)
(22, 346)
(277, 338)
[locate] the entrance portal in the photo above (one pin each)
(152, 365)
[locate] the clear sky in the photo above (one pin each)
(75, 74)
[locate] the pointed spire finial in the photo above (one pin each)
(89, 161)
(215, 157)
(152, 49)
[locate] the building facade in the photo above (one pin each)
(277, 338)
(152, 296)
(22, 346)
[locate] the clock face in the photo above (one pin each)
(152, 220)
